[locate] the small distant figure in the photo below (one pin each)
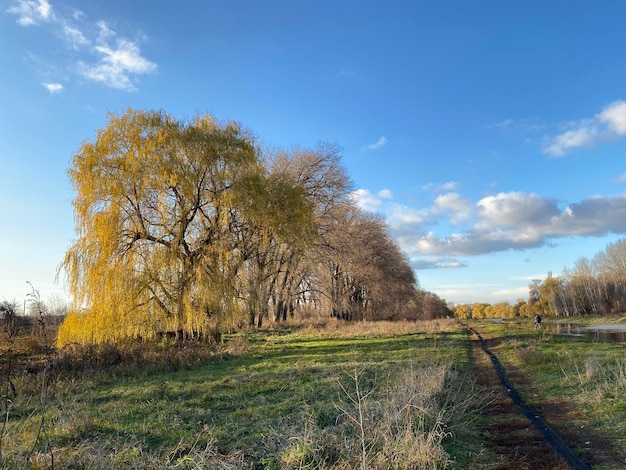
(537, 321)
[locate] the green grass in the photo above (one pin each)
(319, 396)
(386, 396)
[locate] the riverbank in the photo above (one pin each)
(589, 320)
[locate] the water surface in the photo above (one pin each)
(599, 331)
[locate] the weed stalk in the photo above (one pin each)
(9, 312)
(42, 430)
(358, 399)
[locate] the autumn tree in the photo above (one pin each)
(169, 213)
(463, 311)
(501, 310)
(313, 278)
(272, 242)
(479, 310)
(326, 185)
(519, 309)
(360, 272)
(611, 266)
(434, 307)
(354, 269)
(385, 282)
(545, 298)
(57, 305)
(596, 286)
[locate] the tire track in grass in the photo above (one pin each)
(550, 436)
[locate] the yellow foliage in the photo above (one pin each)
(164, 219)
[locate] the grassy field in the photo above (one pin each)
(323, 396)
(319, 396)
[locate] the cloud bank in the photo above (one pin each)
(453, 226)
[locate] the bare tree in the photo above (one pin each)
(434, 307)
(57, 305)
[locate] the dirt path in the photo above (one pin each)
(518, 432)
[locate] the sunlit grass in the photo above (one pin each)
(274, 399)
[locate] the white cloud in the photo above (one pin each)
(593, 216)
(119, 60)
(117, 65)
(515, 209)
(438, 187)
(366, 200)
(583, 136)
(526, 126)
(73, 36)
(104, 32)
(436, 263)
(53, 87)
(504, 124)
(31, 12)
(609, 123)
(385, 194)
(453, 203)
(508, 221)
(614, 115)
(403, 219)
(452, 226)
(379, 143)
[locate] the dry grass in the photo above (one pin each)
(105, 456)
(338, 328)
(397, 423)
(528, 355)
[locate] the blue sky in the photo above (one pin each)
(489, 134)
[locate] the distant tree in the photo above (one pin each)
(519, 308)
(387, 282)
(526, 311)
(434, 307)
(36, 307)
(501, 310)
(463, 311)
(361, 272)
(611, 268)
(545, 297)
(534, 291)
(9, 313)
(354, 269)
(57, 305)
(479, 310)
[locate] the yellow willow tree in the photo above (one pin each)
(159, 210)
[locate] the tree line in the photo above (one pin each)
(595, 286)
(194, 228)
